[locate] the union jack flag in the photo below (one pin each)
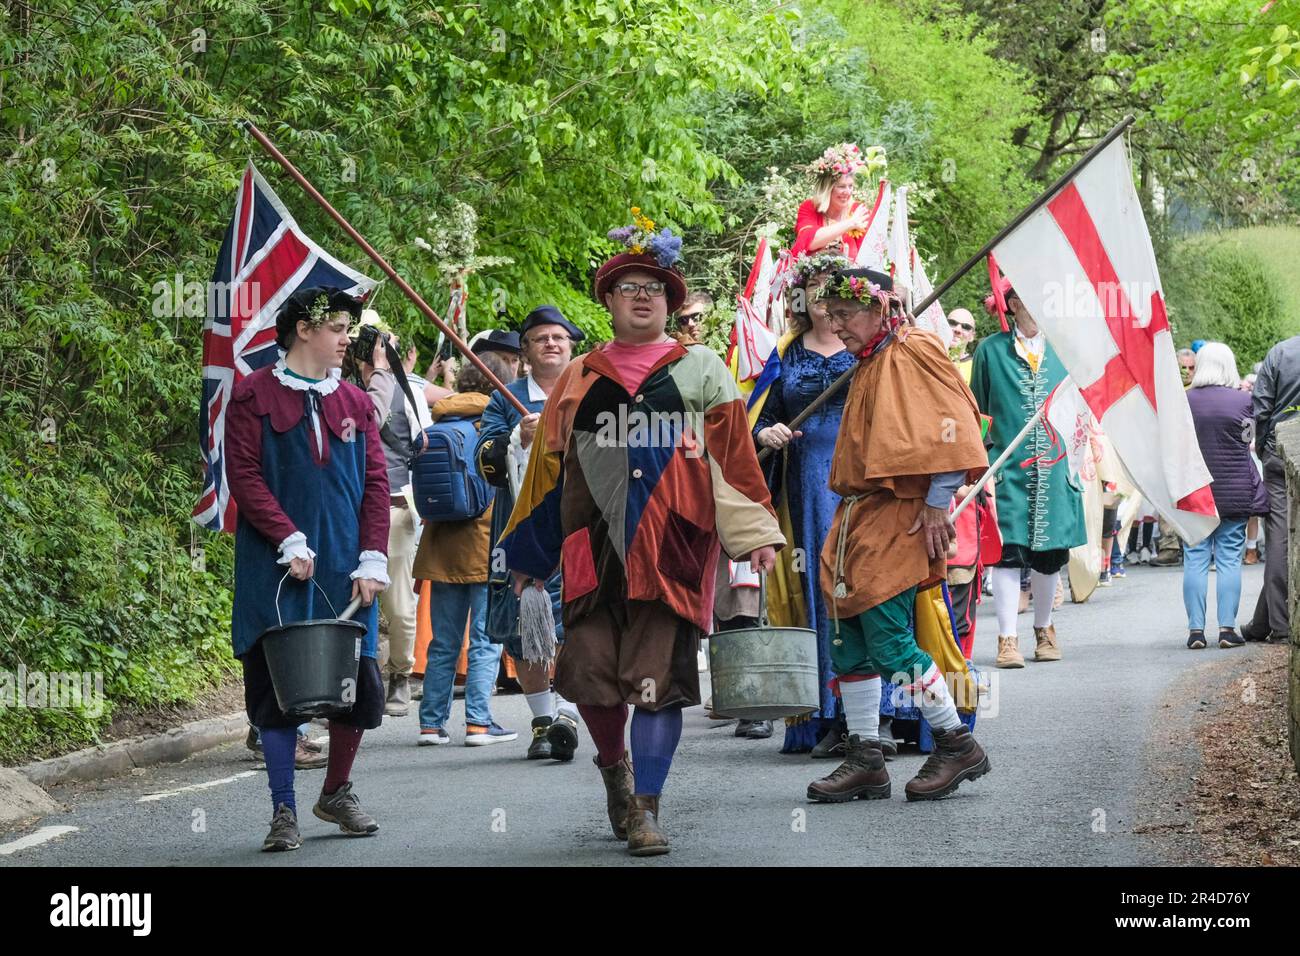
(264, 258)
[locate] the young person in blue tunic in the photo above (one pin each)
(307, 472)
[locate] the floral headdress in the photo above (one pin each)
(846, 158)
(841, 160)
(859, 288)
(640, 238)
(805, 266)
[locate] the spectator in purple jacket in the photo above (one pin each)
(1224, 430)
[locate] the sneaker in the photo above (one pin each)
(540, 748)
(284, 833)
(1103, 579)
(343, 807)
(1132, 558)
(431, 736)
(479, 736)
(1195, 640)
(1117, 571)
(742, 727)
(1144, 556)
(304, 759)
(1230, 638)
(398, 701)
(563, 737)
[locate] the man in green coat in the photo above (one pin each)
(1040, 507)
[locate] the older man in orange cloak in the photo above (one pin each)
(910, 436)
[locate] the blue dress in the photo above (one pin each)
(804, 375)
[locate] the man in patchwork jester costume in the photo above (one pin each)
(642, 468)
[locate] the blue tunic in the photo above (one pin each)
(324, 502)
(804, 375)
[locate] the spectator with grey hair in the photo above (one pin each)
(1186, 365)
(1221, 413)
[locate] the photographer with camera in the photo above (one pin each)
(403, 414)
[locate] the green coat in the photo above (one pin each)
(1039, 507)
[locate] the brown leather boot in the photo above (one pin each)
(1046, 648)
(644, 838)
(956, 757)
(862, 775)
(618, 793)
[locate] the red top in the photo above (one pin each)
(807, 224)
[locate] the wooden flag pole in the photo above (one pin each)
(380, 261)
(973, 261)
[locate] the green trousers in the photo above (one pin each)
(880, 640)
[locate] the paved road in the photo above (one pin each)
(1066, 744)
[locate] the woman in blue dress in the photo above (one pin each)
(811, 358)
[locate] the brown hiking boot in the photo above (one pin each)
(618, 793)
(644, 838)
(1046, 649)
(862, 775)
(1009, 652)
(956, 757)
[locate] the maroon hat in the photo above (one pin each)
(608, 274)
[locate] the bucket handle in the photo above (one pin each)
(347, 612)
(762, 599)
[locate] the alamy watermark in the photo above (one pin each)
(653, 429)
(38, 690)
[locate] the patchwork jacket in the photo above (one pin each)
(635, 493)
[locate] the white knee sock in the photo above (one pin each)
(861, 700)
(568, 708)
(1006, 599)
(1043, 587)
(542, 704)
(937, 705)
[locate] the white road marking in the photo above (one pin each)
(43, 835)
(163, 795)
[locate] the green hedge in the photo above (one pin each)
(1222, 291)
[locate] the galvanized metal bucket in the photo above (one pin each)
(762, 673)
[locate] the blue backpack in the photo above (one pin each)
(446, 483)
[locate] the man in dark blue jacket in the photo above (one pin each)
(1276, 399)
(505, 438)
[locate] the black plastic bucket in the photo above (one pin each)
(313, 664)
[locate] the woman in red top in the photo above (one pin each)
(832, 216)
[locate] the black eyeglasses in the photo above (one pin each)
(961, 325)
(630, 290)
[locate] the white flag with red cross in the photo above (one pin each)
(1084, 266)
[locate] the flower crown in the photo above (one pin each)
(805, 266)
(841, 160)
(641, 238)
(846, 158)
(857, 288)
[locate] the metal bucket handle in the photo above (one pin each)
(347, 612)
(762, 599)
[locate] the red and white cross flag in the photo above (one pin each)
(1084, 266)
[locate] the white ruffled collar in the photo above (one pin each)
(325, 386)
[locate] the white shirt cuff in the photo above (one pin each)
(295, 546)
(372, 565)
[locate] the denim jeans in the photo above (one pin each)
(1226, 544)
(449, 607)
